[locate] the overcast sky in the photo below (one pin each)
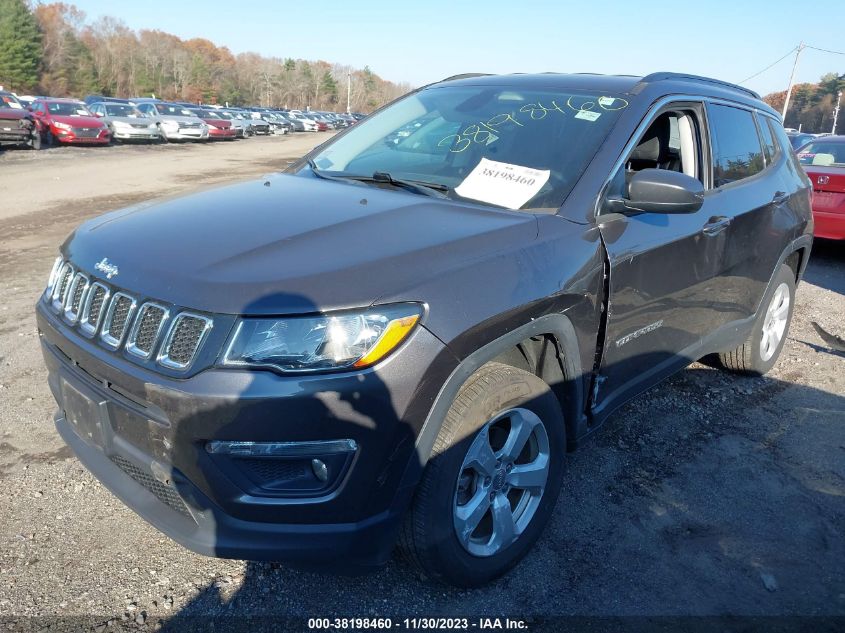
(426, 40)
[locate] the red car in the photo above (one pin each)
(218, 127)
(68, 121)
(824, 161)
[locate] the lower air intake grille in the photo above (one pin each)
(165, 493)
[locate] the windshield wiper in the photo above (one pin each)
(431, 189)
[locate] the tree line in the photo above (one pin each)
(53, 49)
(811, 105)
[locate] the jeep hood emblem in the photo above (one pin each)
(107, 268)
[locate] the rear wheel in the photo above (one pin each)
(492, 481)
(760, 352)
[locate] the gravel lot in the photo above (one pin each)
(710, 495)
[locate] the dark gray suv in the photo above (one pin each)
(401, 338)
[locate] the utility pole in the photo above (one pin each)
(836, 111)
(791, 81)
(348, 90)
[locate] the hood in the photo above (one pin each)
(131, 120)
(291, 244)
(180, 118)
(77, 121)
(13, 114)
(223, 124)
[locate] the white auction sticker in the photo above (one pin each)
(587, 115)
(503, 184)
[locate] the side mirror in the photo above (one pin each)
(663, 191)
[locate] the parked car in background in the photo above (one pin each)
(126, 122)
(239, 124)
(824, 161)
(283, 120)
(322, 126)
(177, 123)
(300, 123)
(797, 139)
(68, 121)
(219, 127)
(17, 126)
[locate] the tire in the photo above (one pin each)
(487, 409)
(756, 357)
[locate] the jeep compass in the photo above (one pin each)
(399, 339)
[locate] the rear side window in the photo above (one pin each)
(737, 152)
(770, 147)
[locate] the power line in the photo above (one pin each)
(775, 63)
(824, 50)
(769, 66)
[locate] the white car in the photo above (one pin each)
(126, 122)
(239, 123)
(177, 122)
(308, 125)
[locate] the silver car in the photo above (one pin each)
(126, 122)
(238, 121)
(177, 122)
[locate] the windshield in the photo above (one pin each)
(823, 154)
(473, 142)
(207, 114)
(63, 108)
(9, 102)
(120, 109)
(225, 115)
(173, 110)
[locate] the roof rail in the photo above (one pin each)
(661, 76)
(465, 76)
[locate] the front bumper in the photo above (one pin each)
(136, 134)
(217, 133)
(144, 435)
(186, 134)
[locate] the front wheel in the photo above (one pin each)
(492, 480)
(757, 355)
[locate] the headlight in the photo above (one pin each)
(343, 340)
(61, 126)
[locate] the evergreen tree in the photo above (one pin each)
(20, 46)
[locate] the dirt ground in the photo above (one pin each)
(711, 495)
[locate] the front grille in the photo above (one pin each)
(146, 330)
(267, 471)
(86, 132)
(189, 125)
(165, 493)
(184, 339)
(115, 316)
(139, 126)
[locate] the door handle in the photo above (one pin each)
(716, 225)
(780, 197)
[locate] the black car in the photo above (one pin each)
(400, 341)
(17, 126)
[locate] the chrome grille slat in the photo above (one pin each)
(183, 340)
(75, 296)
(89, 320)
(121, 309)
(146, 330)
(60, 291)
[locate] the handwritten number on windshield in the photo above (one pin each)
(483, 133)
